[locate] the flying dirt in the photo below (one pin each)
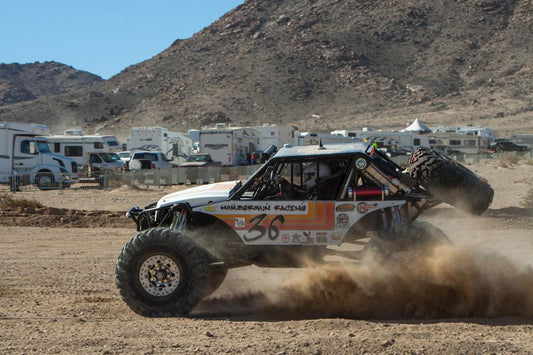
(447, 283)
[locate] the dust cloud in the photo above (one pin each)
(448, 283)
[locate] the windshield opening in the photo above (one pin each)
(42, 146)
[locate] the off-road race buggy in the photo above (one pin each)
(298, 207)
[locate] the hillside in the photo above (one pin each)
(352, 63)
(24, 82)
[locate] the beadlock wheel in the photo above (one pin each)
(159, 275)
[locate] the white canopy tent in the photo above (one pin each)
(417, 127)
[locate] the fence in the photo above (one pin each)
(174, 176)
(139, 178)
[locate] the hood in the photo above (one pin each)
(59, 156)
(200, 195)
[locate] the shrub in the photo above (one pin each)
(8, 201)
(508, 159)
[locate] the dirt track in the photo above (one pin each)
(57, 293)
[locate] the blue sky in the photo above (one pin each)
(102, 37)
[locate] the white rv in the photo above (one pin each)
(88, 150)
(308, 138)
(25, 155)
(232, 146)
(402, 141)
(271, 134)
(459, 142)
(176, 146)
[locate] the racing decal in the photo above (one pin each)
(363, 207)
(342, 220)
(297, 215)
(345, 207)
(297, 222)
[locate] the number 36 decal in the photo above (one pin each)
(273, 231)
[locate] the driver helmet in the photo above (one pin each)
(312, 171)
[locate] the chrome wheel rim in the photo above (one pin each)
(159, 275)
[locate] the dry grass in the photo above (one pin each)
(8, 201)
(527, 201)
(508, 159)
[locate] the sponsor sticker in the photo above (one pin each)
(345, 207)
(336, 236)
(342, 220)
(210, 208)
(363, 207)
(240, 222)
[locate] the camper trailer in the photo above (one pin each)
(232, 146)
(406, 142)
(274, 135)
(308, 138)
(89, 151)
(25, 156)
(176, 146)
(462, 143)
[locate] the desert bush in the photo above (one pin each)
(508, 159)
(8, 201)
(527, 201)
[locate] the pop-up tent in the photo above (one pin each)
(417, 127)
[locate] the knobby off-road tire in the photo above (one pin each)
(419, 238)
(450, 181)
(161, 272)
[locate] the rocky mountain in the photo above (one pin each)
(320, 65)
(24, 82)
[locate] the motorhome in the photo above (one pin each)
(89, 151)
(25, 157)
(176, 146)
(274, 135)
(461, 143)
(309, 138)
(483, 132)
(402, 141)
(232, 146)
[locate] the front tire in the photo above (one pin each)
(161, 272)
(45, 180)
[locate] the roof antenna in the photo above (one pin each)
(320, 146)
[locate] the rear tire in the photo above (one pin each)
(161, 272)
(450, 181)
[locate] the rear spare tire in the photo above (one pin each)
(161, 272)
(450, 181)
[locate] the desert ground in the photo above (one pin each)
(57, 290)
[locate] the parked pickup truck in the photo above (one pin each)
(141, 160)
(200, 160)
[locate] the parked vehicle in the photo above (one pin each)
(176, 146)
(286, 214)
(506, 146)
(231, 146)
(199, 160)
(25, 155)
(523, 139)
(141, 160)
(91, 152)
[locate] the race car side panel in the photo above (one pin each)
(295, 222)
